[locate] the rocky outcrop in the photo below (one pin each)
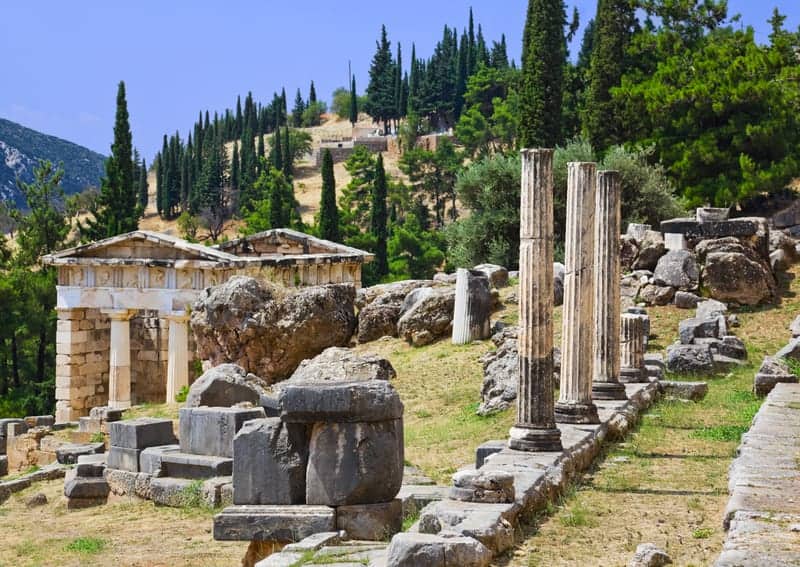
(268, 330)
(733, 272)
(224, 386)
(427, 315)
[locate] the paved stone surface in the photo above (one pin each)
(763, 513)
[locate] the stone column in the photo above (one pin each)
(535, 429)
(605, 381)
(178, 357)
(119, 374)
(632, 349)
(473, 307)
(575, 402)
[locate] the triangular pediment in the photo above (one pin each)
(138, 246)
(287, 242)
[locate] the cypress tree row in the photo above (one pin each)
(613, 30)
(378, 216)
(328, 211)
(543, 58)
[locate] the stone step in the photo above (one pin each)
(185, 465)
(68, 454)
(273, 523)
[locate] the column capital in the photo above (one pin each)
(177, 316)
(119, 314)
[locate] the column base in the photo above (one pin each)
(523, 438)
(632, 375)
(120, 404)
(608, 391)
(576, 413)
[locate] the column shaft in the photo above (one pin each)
(178, 359)
(632, 349)
(535, 429)
(577, 361)
(473, 307)
(605, 383)
(119, 373)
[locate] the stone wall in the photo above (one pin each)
(296, 275)
(82, 362)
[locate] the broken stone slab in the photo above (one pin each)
(171, 492)
(3, 465)
(491, 524)
(341, 402)
(711, 309)
(314, 542)
(488, 448)
(678, 269)
(141, 433)
(649, 555)
(106, 413)
(773, 371)
(416, 496)
(690, 359)
(685, 300)
(273, 523)
(370, 522)
(498, 275)
(127, 483)
(791, 350)
(210, 431)
(270, 459)
(150, 458)
(732, 347)
(123, 459)
(355, 463)
(87, 488)
(224, 386)
(426, 550)
(689, 329)
(185, 465)
(337, 364)
(91, 465)
(68, 454)
(693, 391)
(484, 485)
(40, 421)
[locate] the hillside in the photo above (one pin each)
(21, 147)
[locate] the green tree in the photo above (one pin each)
(329, 212)
(380, 103)
(433, 175)
(543, 59)
(297, 111)
(414, 253)
(378, 218)
(355, 198)
(117, 209)
(353, 101)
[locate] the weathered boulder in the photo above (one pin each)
(686, 300)
(498, 275)
(648, 555)
(693, 391)
(224, 386)
(690, 359)
(628, 250)
(335, 401)
(267, 330)
(379, 318)
(710, 309)
(778, 262)
(367, 295)
(558, 283)
(733, 272)
(651, 248)
(773, 371)
(429, 317)
(428, 550)
(656, 294)
(780, 241)
(678, 269)
(442, 277)
(690, 329)
(343, 365)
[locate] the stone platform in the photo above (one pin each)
(763, 513)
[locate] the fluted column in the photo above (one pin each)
(178, 358)
(575, 401)
(605, 383)
(632, 349)
(473, 307)
(535, 429)
(119, 371)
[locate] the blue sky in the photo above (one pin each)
(62, 60)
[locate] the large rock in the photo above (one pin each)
(355, 463)
(224, 386)
(498, 275)
(678, 269)
(558, 283)
(367, 295)
(628, 250)
(379, 318)
(268, 330)
(651, 249)
(141, 433)
(773, 371)
(269, 465)
(343, 365)
(735, 273)
(429, 317)
(656, 294)
(690, 359)
(648, 555)
(428, 550)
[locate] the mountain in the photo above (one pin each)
(21, 148)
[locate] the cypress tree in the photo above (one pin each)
(159, 168)
(117, 209)
(380, 92)
(163, 178)
(543, 58)
(312, 94)
(297, 111)
(398, 83)
(260, 153)
(328, 212)
(472, 54)
(613, 28)
(277, 150)
(378, 215)
(499, 55)
(276, 217)
(284, 108)
(461, 85)
(239, 118)
(286, 154)
(235, 164)
(143, 186)
(353, 102)
(481, 51)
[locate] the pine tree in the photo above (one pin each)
(353, 102)
(378, 214)
(481, 51)
(117, 210)
(297, 111)
(328, 212)
(543, 58)
(613, 30)
(499, 56)
(380, 103)
(312, 94)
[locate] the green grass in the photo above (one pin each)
(98, 438)
(409, 521)
(86, 545)
(702, 533)
(192, 495)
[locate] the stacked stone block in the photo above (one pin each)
(85, 485)
(130, 437)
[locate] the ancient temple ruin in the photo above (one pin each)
(122, 335)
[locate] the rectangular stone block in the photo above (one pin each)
(169, 491)
(370, 522)
(488, 448)
(141, 433)
(82, 487)
(183, 465)
(269, 464)
(123, 458)
(374, 400)
(210, 431)
(272, 523)
(3, 465)
(150, 459)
